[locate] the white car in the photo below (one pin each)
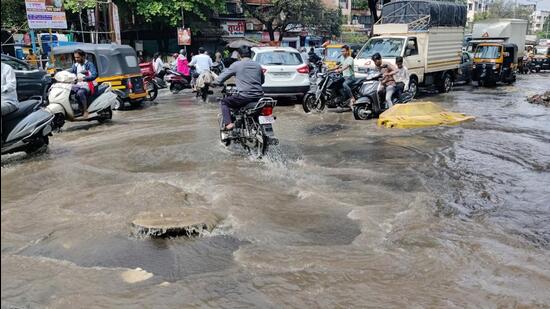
(286, 73)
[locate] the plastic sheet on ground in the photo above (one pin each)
(420, 114)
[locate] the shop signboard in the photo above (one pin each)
(44, 14)
(233, 28)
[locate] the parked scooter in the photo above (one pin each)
(371, 102)
(64, 105)
(328, 92)
(25, 127)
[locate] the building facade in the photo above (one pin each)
(475, 7)
(538, 18)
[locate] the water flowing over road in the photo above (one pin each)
(340, 214)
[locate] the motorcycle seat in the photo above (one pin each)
(24, 108)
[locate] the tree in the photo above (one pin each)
(13, 14)
(285, 15)
(168, 10)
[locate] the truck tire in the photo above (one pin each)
(446, 83)
(413, 86)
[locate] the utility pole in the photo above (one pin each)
(183, 26)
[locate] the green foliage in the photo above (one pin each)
(505, 9)
(360, 4)
(354, 37)
(13, 14)
(167, 10)
(283, 15)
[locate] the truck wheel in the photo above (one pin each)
(413, 87)
(446, 83)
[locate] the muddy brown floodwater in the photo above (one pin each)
(341, 214)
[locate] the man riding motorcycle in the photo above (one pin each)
(202, 63)
(249, 79)
(346, 68)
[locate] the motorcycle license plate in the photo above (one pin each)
(266, 119)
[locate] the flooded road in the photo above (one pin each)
(341, 214)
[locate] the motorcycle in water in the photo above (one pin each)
(371, 102)
(202, 84)
(151, 82)
(253, 125)
(328, 91)
(64, 105)
(177, 80)
(25, 126)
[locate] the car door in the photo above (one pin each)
(29, 80)
(412, 58)
(465, 67)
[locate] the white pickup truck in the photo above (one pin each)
(430, 43)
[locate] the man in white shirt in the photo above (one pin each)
(401, 77)
(9, 89)
(201, 62)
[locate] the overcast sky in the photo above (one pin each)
(541, 4)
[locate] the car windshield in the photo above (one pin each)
(542, 51)
(333, 53)
(387, 47)
(487, 52)
(279, 58)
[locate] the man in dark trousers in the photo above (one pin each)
(249, 79)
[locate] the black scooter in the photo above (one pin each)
(26, 126)
(371, 103)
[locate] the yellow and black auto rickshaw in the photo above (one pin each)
(333, 54)
(495, 62)
(541, 58)
(116, 64)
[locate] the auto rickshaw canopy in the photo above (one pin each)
(110, 59)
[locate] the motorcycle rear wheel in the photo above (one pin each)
(152, 91)
(174, 88)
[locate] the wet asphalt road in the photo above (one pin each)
(340, 214)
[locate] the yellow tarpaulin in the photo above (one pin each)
(419, 114)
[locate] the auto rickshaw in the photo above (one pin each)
(116, 64)
(332, 55)
(495, 62)
(541, 58)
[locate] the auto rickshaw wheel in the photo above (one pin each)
(119, 104)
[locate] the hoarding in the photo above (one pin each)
(43, 14)
(184, 36)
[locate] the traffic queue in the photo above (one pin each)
(85, 82)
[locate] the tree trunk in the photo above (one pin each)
(269, 27)
(373, 11)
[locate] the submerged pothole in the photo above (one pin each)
(171, 259)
